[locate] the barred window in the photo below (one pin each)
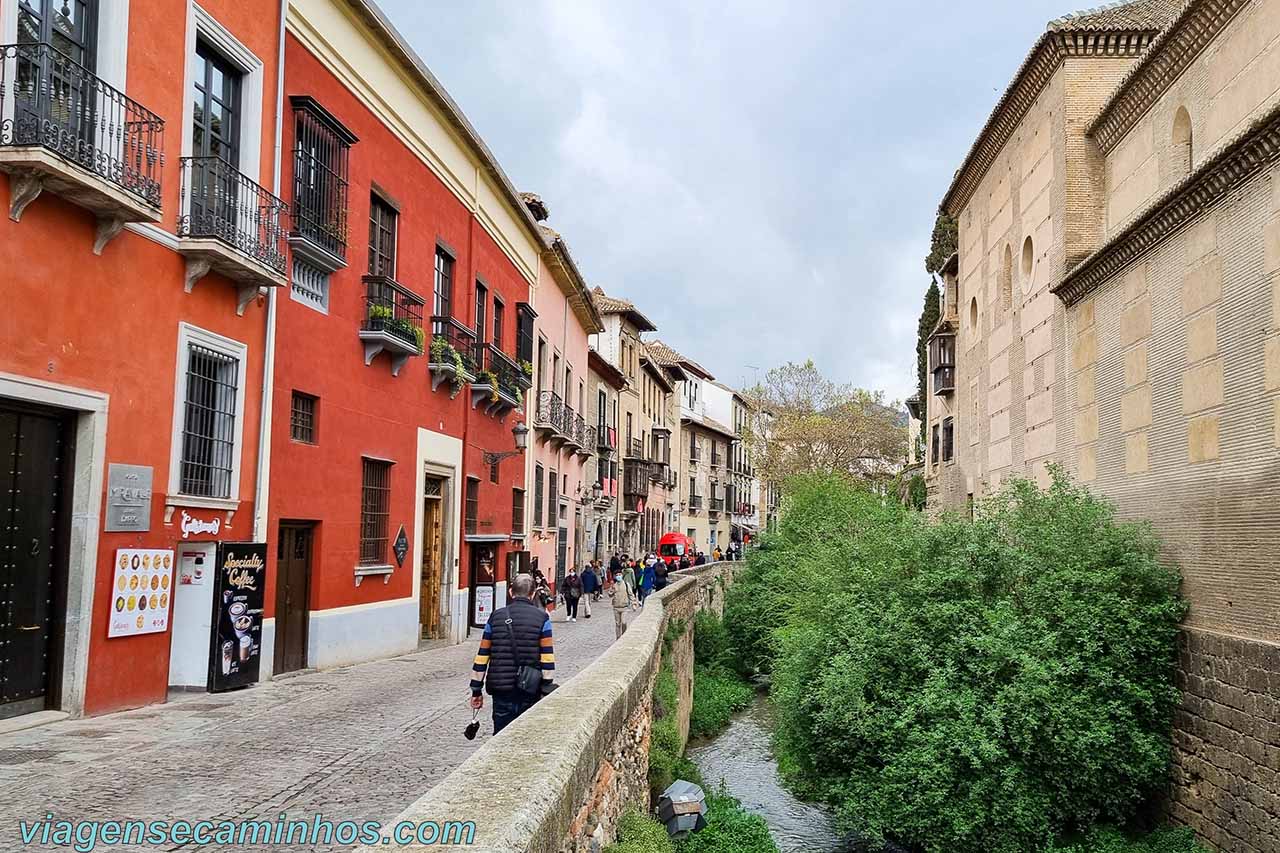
(473, 504)
(310, 285)
(209, 423)
(321, 154)
(302, 418)
(375, 509)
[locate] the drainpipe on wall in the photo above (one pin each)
(262, 490)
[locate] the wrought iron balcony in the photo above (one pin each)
(232, 226)
(636, 450)
(392, 323)
(451, 354)
(717, 505)
(321, 158)
(606, 439)
(695, 503)
(658, 471)
(64, 129)
(588, 441)
(572, 437)
(495, 384)
(635, 481)
(548, 418)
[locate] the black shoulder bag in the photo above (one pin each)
(528, 678)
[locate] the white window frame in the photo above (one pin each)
(202, 25)
(188, 335)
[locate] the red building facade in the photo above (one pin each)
(399, 366)
(142, 236)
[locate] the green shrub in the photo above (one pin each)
(712, 645)
(718, 694)
(1109, 840)
(730, 829)
(639, 833)
(965, 686)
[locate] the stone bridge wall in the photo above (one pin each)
(568, 768)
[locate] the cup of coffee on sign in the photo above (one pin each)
(228, 653)
(246, 646)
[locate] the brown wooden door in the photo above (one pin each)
(34, 450)
(429, 611)
(293, 568)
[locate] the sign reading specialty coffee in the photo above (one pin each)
(239, 580)
(140, 590)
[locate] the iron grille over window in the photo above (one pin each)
(537, 495)
(517, 511)
(302, 418)
(375, 508)
(473, 504)
(209, 423)
(321, 149)
(382, 237)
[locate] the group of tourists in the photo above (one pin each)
(516, 660)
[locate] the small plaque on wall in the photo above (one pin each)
(128, 498)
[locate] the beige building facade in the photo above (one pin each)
(1114, 309)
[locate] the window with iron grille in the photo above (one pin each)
(375, 510)
(310, 285)
(493, 472)
(382, 237)
(444, 284)
(538, 476)
(948, 439)
(517, 511)
(302, 418)
(209, 423)
(473, 504)
(321, 148)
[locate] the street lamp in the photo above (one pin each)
(596, 491)
(521, 434)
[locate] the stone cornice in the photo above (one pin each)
(1170, 54)
(1032, 77)
(1237, 160)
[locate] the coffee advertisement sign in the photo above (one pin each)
(140, 590)
(239, 582)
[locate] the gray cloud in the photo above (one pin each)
(760, 178)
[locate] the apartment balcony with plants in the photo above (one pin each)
(499, 383)
(452, 356)
(66, 131)
(392, 322)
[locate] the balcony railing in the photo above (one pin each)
(636, 479)
(575, 428)
(220, 202)
(606, 438)
(393, 321)
(510, 376)
(320, 164)
(636, 450)
(588, 440)
(461, 339)
(549, 415)
(944, 380)
(717, 505)
(695, 503)
(497, 378)
(48, 101)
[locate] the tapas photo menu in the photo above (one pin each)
(140, 592)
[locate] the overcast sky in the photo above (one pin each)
(761, 178)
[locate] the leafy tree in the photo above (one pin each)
(992, 685)
(808, 423)
(943, 244)
(929, 317)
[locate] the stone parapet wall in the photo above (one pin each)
(561, 775)
(1226, 773)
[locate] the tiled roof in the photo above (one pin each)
(609, 305)
(666, 356)
(1134, 15)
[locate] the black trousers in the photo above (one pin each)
(507, 708)
(571, 605)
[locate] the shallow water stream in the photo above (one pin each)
(740, 756)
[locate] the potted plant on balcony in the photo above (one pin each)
(379, 316)
(445, 362)
(526, 368)
(488, 378)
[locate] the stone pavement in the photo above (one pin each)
(357, 743)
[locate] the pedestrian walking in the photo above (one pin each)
(701, 559)
(590, 588)
(571, 589)
(629, 578)
(516, 663)
(615, 564)
(660, 571)
(647, 579)
(718, 554)
(620, 595)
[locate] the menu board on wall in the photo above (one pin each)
(239, 581)
(140, 590)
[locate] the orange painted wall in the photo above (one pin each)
(110, 324)
(364, 410)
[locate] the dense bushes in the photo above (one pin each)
(719, 691)
(986, 685)
(1109, 840)
(639, 833)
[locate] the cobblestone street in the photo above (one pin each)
(356, 743)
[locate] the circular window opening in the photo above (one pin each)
(973, 312)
